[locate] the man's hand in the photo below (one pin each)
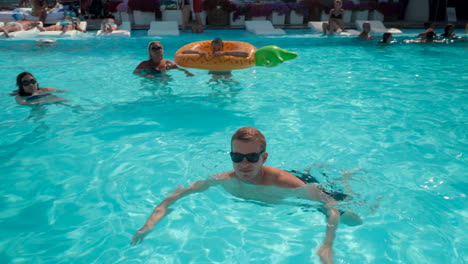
(325, 253)
(140, 235)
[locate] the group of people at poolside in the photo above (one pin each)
(335, 24)
(67, 24)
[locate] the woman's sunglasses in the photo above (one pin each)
(251, 157)
(28, 82)
(156, 48)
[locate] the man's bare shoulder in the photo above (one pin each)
(223, 175)
(281, 178)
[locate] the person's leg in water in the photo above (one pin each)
(349, 218)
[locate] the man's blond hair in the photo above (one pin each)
(250, 134)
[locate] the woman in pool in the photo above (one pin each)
(335, 21)
(387, 38)
(156, 63)
(448, 31)
(29, 93)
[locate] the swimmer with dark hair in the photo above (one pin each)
(387, 38)
(29, 93)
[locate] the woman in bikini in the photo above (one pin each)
(335, 21)
(156, 63)
(29, 93)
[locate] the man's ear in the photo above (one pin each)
(265, 157)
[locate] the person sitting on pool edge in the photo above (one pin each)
(248, 154)
(156, 63)
(335, 20)
(19, 25)
(217, 50)
(29, 93)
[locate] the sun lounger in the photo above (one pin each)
(316, 26)
(377, 27)
(163, 28)
(262, 27)
(45, 34)
(124, 31)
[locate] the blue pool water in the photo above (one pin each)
(388, 123)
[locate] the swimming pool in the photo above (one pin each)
(77, 181)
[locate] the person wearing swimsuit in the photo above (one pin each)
(19, 25)
(109, 24)
(217, 50)
(39, 9)
(251, 180)
(335, 21)
(67, 24)
(29, 93)
(156, 63)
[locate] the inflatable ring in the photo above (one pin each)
(268, 56)
(219, 63)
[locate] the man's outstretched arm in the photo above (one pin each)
(161, 210)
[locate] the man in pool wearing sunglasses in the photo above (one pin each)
(251, 180)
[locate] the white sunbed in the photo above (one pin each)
(70, 33)
(262, 27)
(316, 26)
(377, 27)
(163, 28)
(124, 31)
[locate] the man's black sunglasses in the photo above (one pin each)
(251, 157)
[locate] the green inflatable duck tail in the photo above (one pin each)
(271, 56)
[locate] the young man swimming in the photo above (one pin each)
(250, 179)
